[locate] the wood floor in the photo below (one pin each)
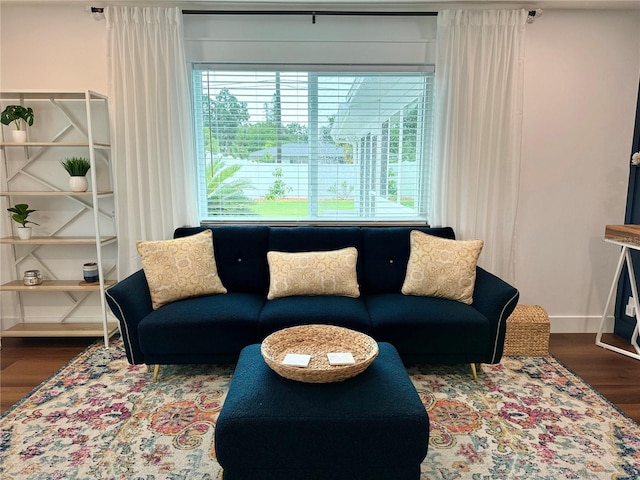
(25, 363)
(615, 376)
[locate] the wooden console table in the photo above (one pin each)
(628, 237)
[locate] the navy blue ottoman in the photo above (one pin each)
(370, 427)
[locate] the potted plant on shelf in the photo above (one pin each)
(77, 167)
(19, 214)
(17, 114)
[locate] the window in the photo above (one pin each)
(300, 145)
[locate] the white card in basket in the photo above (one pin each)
(340, 358)
(296, 360)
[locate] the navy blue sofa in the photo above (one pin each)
(215, 328)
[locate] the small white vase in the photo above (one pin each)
(78, 184)
(24, 233)
(19, 136)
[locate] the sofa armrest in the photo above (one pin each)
(130, 302)
(495, 299)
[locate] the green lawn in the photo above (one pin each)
(296, 208)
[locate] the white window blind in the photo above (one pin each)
(306, 145)
(282, 139)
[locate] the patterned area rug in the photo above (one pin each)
(100, 418)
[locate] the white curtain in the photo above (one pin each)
(478, 129)
(150, 127)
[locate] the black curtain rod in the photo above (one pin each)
(311, 13)
(98, 13)
(314, 13)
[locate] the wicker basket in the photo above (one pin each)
(527, 332)
(317, 341)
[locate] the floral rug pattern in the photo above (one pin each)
(101, 418)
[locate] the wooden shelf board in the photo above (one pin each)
(53, 194)
(56, 240)
(52, 286)
(13, 94)
(627, 234)
(50, 329)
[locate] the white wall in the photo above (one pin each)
(288, 39)
(581, 81)
(56, 47)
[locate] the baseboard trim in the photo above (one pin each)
(571, 324)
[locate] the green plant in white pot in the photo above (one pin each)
(16, 114)
(19, 214)
(77, 167)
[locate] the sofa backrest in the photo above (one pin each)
(385, 252)
(241, 255)
(241, 252)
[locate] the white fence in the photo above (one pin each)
(345, 178)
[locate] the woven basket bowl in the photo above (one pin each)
(317, 341)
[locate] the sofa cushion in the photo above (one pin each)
(304, 310)
(241, 255)
(180, 268)
(312, 239)
(313, 273)
(439, 267)
(384, 256)
(218, 324)
(438, 327)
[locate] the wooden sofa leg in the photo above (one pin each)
(156, 372)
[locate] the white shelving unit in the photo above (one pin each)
(69, 124)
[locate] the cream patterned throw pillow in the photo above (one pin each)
(439, 267)
(313, 273)
(180, 268)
